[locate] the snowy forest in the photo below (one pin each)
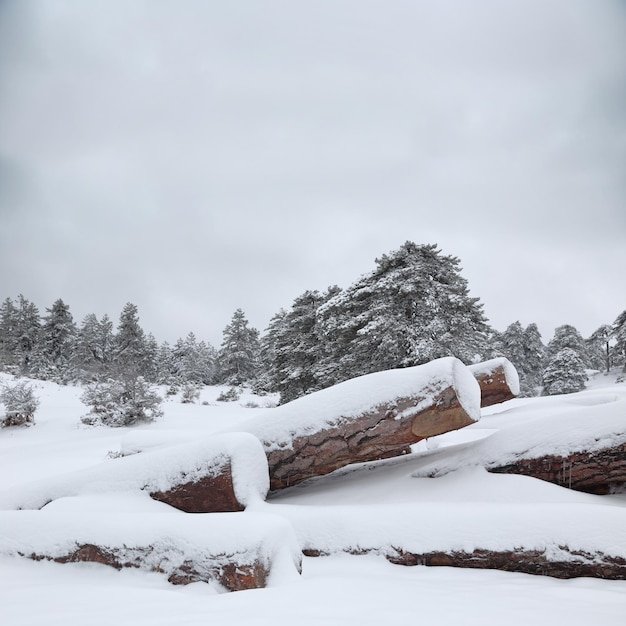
(413, 307)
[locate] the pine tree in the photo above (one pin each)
(58, 335)
(599, 348)
(94, 348)
(413, 308)
(129, 347)
(193, 361)
(618, 333)
(26, 333)
(534, 351)
(8, 335)
(297, 347)
(238, 357)
(567, 336)
(564, 373)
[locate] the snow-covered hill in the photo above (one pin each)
(365, 507)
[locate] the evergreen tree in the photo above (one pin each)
(94, 347)
(8, 334)
(599, 348)
(129, 347)
(619, 335)
(534, 351)
(58, 335)
(121, 402)
(564, 373)
(26, 333)
(297, 347)
(567, 336)
(413, 308)
(193, 361)
(238, 357)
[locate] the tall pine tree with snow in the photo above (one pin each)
(618, 333)
(94, 348)
(566, 336)
(564, 373)
(599, 348)
(57, 344)
(238, 356)
(8, 330)
(297, 348)
(414, 307)
(524, 348)
(129, 346)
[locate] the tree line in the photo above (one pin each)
(413, 307)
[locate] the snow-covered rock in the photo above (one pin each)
(367, 418)
(225, 472)
(498, 380)
(236, 550)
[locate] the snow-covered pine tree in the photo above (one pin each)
(129, 346)
(57, 344)
(93, 353)
(8, 338)
(121, 402)
(297, 347)
(599, 348)
(414, 307)
(20, 404)
(564, 373)
(566, 336)
(618, 333)
(268, 375)
(28, 324)
(193, 361)
(238, 356)
(534, 350)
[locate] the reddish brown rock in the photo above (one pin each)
(385, 429)
(209, 494)
(600, 471)
(233, 576)
(237, 550)
(573, 564)
(498, 381)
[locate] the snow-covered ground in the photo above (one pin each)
(367, 506)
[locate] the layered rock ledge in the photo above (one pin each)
(498, 380)
(223, 473)
(368, 418)
(235, 550)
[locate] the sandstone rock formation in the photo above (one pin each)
(498, 380)
(223, 473)
(599, 471)
(367, 418)
(569, 564)
(236, 550)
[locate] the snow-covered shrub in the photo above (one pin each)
(232, 395)
(190, 393)
(565, 373)
(121, 403)
(20, 405)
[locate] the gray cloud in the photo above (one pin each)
(197, 157)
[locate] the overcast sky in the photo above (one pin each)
(196, 157)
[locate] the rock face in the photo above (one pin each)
(214, 493)
(233, 574)
(498, 380)
(375, 417)
(599, 472)
(237, 550)
(222, 473)
(571, 564)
